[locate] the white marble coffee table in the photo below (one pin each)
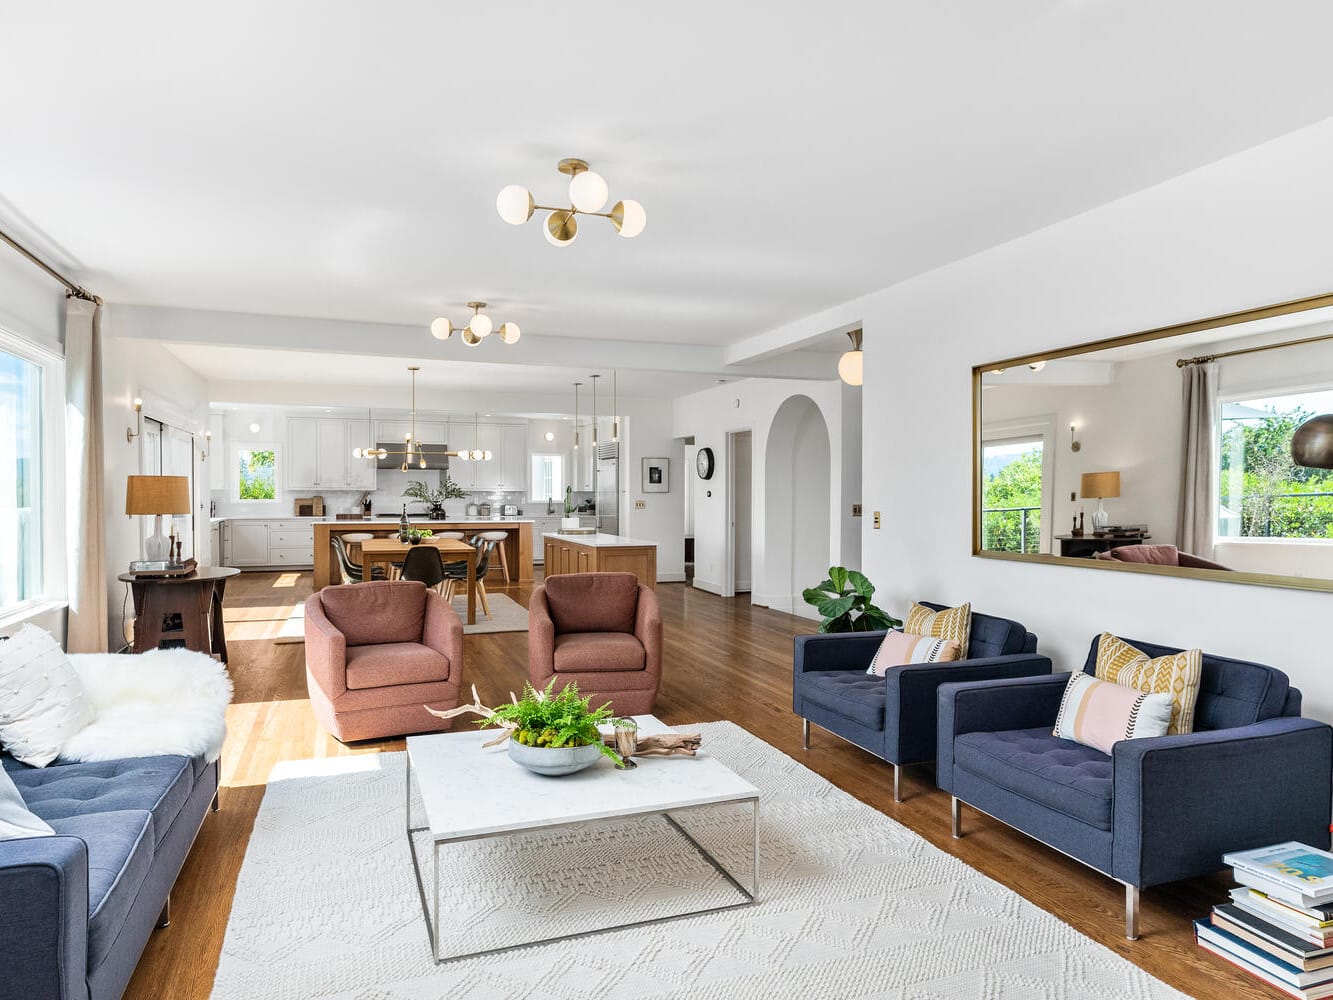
(469, 793)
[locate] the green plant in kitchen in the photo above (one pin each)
(547, 719)
(569, 500)
(844, 602)
(434, 496)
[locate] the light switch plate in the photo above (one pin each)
(876, 519)
(640, 504)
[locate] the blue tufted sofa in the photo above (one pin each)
(894, 716)
(77, 909)
(1155, 810)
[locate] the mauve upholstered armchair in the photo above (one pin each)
(375, 653)
(603, 631)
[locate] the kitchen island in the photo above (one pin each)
(598, 553)
(518, 546)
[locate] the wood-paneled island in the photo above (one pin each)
(601, 554)
(518, 546)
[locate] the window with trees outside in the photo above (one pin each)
(20, 480)
(548, 477)
(257, 473)
(1011, 498)
(1262, 493)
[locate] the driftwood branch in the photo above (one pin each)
(663, 745)
(477, 708)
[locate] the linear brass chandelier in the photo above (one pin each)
(412, 453)
(588, 195)
(477, 329)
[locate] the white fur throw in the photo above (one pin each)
(165, 701)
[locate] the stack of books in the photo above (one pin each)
(1279, 924)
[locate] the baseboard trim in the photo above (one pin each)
(708, 585)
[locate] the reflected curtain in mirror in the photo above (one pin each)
(1196, 525)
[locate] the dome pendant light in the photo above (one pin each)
(615, 405)
(576, 415)
(594, 411)
(1312, 444)
(849, 365)
(588, 195)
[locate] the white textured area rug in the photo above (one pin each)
(851, 903)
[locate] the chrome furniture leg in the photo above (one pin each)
(956, 817)
(1132, 912)
(805, 734)
(164, 918)
(897, 777)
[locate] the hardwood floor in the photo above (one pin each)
(724, 659)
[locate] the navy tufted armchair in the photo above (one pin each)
(894, 716)
(1155, 810)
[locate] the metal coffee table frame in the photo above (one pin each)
(432, 912)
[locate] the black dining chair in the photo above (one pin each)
(351, 572)
(455, 573)
(422, 563)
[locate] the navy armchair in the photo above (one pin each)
(1155, 810)
(894, 716)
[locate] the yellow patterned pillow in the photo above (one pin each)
(951, 623)
(1177, 675)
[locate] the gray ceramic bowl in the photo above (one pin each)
(553, 761)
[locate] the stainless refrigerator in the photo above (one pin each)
(608, 488)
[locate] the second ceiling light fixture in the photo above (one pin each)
(588, 195)
(478, 327)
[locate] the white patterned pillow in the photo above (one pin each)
(42, 700)
(16, 819)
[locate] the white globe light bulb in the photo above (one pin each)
(440, 328)
(509, 333)
(849, 367)
(588, 191)
(561, 223)
(629, 218)
(470, 338)
(515, 204)
(480, 324)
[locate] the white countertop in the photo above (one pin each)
(471, 792)
(599, 540)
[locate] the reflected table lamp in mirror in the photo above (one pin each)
(1098, 486)
(155, 496)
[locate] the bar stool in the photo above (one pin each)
(456, 536)
(498, 538)
(352, 541)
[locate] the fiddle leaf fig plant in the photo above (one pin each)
(843, 600)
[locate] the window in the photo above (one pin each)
(20, 480)
(1262, 493)
(1011, 497)
(548, 477)
(257, 473)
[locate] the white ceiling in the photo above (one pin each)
(340, 160)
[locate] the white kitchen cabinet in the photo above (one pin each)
(488, 475)
(508, 445)
(513, 457)
(319, 454)
(248, 543)
(302, 459)
(542, 526)
(332, 454)
(360, 471)
(394, 432)
(215, 545)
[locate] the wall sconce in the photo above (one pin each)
(1074, 443)
(208, 446)
(133, 432)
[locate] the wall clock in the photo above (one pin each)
(704, 463)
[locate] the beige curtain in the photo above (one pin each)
(1198, 466)
(86, 523)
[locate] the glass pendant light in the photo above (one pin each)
(849, 365)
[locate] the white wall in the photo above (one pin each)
(708, 417)
(648, 434)
(851, 474)
(172, 393)
(1249, 230)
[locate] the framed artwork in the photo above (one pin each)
(655, 475)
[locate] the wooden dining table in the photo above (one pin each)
(388, 551)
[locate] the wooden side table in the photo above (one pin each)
(1085, 546)
(196, 598)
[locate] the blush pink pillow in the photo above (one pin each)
(901, 648)
(1100, 714)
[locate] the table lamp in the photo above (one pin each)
(1098, 485)
(157, 495)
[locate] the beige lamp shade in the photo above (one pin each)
(157, 495)
(1099, 484)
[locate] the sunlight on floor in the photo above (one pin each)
(286, 581)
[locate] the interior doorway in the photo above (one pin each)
(740, 520)
(797, 543)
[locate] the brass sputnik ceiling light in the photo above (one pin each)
(587, 196)
(477, 329)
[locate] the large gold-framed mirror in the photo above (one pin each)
(1202, 450)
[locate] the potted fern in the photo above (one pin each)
(843, 602)
(554, 734)
(434, 496)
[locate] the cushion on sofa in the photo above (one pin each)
(991, 636)
(1099, 714)
(120, 852)
(900, 648)
(42, 700)
(383, 611)
(156, 785)
(949, 623)
(580, 652)
(16, 819)
(391, 663)
(1066, 777)
(1177, 674)
(853, 694)
(593, 602)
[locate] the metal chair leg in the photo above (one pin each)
(956, 817)
(164, 918)
(1132, 912)
(897, 777)
(805, 734)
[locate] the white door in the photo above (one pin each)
(249, 543)
(178, 460)
(302, 458)
(333, 452)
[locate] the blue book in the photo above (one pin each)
(1274, 969)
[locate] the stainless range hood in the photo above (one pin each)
(437, 456)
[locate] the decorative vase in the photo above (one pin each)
(569, 522)
(553, 762)
(437, 512)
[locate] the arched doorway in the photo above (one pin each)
(797, 494)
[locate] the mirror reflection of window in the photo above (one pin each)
(1012, 492)
(1262, 492)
